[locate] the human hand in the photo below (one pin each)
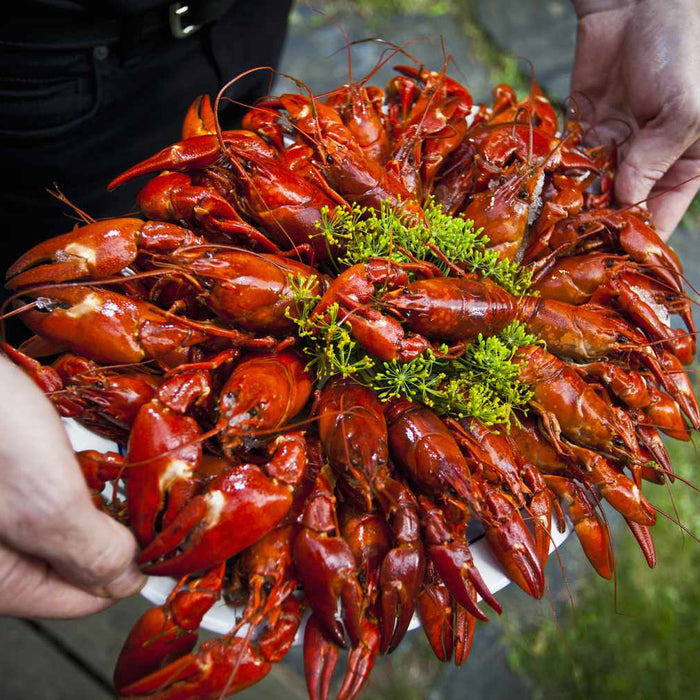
(636, 79)
(59, 555)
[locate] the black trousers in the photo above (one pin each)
(75, 113)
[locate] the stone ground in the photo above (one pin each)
(73, 660)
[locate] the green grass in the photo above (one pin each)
(646, 645)
(691, 219)
(503, 68)
(384, 7)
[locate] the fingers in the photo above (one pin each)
(31, 589)
(89, 549)
(662, 160)
(674, 192)
(45, 505)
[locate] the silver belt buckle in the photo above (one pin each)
(178, 23)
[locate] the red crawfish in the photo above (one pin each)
(614, 280)
(360, 108)
(492, 455)
(369, 539)
(168, 631)
(459, 309)
(584, 465)
(340, 158)
(427, 454)
(224, 666)
(248, 290)
(327, 568)
(379, 334)
(507, 208)
(354, 437)
(208, 529)
(96, 251)
(285, 204)
(622, 230)
(447, 625)
(568, 406)
(113, 328)
(262, 394)
(105, 401)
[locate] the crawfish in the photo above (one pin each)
(613, 230)
(224, 666)
(342, 161)
(458, 309)
(112, 328)
(168, 631)
(434, 127)
(354, 437)
(495, 459)
(96, 251)
(352, 290)
(207, 530)
(248, 290)
(327, 568)
(105, 401)
(262, 394)
(505, 211)
(447, 625)
(359, 107)
(370, 541)
(427, 453)
(568, 405)
(604, 278)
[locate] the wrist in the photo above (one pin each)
(584, 8)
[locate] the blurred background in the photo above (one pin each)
(636, 637)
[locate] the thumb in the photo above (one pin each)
(92, 551)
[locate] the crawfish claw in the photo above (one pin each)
(326, 568)
(400, 580)
(207, 530)
(457, 569)
(360, 661)
(320, 659)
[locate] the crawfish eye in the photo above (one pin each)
(253, 412)
(99, 384)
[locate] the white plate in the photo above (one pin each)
(221, 618)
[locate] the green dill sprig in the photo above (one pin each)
(483, 383)
(363, 233)
(325, 338)
(420, 379)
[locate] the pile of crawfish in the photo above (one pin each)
(247, 478)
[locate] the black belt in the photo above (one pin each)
(50, 29)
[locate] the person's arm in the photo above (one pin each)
(636, 80)
(59, 555)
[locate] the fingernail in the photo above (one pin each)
(128, 583)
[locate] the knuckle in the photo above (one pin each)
(683, 113)
(644, 171)
(109, 560)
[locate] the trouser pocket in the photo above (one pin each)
(35, 105)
